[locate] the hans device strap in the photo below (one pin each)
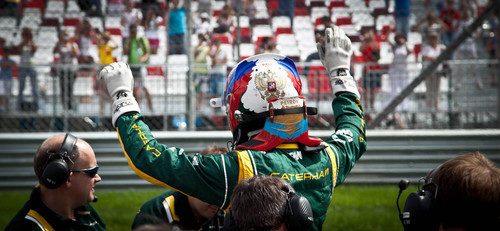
(56, 171)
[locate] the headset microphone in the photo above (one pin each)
(95, 199)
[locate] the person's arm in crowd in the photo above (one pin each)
(348, 141)
(146, 52)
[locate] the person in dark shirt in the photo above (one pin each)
(66, 168)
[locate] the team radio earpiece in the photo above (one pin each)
(57, 171)
(298, 213)
(419, 212)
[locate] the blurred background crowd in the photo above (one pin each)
(181, 51)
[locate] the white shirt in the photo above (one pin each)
(430, 51)
(129, 19)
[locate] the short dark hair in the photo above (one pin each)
(48, 149)
(468, 193)
(259, 203)
(214, 150)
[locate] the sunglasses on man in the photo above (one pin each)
(91, 172)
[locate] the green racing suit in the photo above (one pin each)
(313, 174)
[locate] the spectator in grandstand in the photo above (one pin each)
(492, 45)
(2, 45)
(151, 23)
(130, 15)
(267, 46)
(434, 6)
(83, 36)
(6, 65)
(371, 80)
(151, 4)
(429, 24)
(186, 213)
(466, 51)
(10, 8)
(402, 14)
(66, 169)
(249, 9)
(225, 21)
(267, 203)
(205, 6)
(27, 49)
(203, 25)
(176, 20)
(286, 8)
(200, 70)
(115, 8)
(318, 36)
(267, 117)
(137, 50)
(430, 52)
(398, 72)
(67, 51)
(463, 193)
(450, 16)
(219, 68)
(105, 47)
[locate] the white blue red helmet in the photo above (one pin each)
(264, 103)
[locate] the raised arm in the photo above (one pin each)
(348, 141)
(207, 178)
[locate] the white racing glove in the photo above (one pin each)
(335, 54)
(119, 83)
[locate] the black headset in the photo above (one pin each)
(56, 171)
(419, 211)
(298, 213)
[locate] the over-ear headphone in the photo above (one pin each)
(298, 213)
(419, 211)
(56, 171)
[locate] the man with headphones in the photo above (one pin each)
(267, 203)
(462, 194)
(268, 117)
(66, 169)
(179, 210)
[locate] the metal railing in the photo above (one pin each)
(391, 155)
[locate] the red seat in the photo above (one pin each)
(344, 21)
(317, 3)
(272, 6)
(50, 22)
(155, 71)
(283, 30)
(301, 11)
(71, 22)
(318, 21)
(318, 81)
(36, 4)
(216, 13)
(245, 35)
(114, 31)
(223, 38)
(335, 4)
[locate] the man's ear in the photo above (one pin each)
(68, 182)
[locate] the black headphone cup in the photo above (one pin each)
(55, 173)
(299, 214)
(419, 211)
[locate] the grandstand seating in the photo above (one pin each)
(295, 40)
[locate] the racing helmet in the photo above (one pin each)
(264, 104)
